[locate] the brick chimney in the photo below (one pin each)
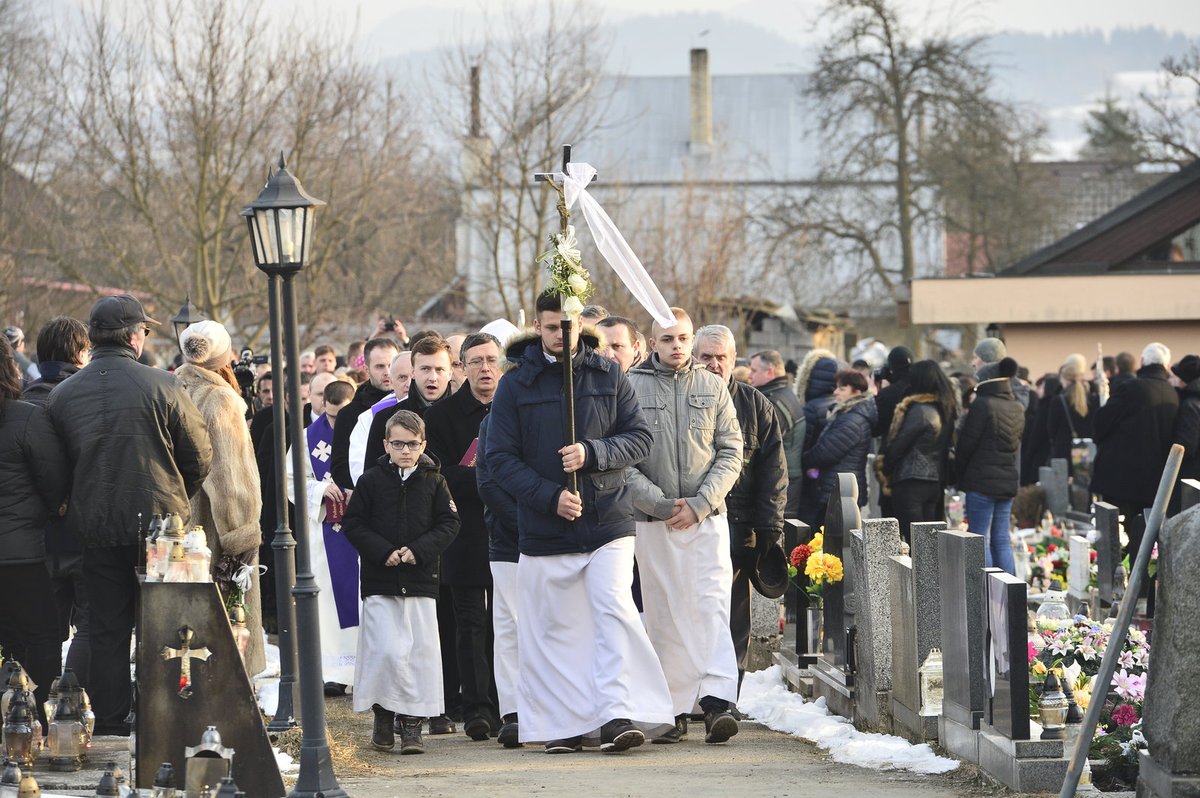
(701, 139)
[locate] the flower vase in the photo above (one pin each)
(815, 625)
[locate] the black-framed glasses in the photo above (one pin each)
(400, 446)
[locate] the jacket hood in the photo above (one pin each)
(816, 375)
(863, 404)
(997, 386)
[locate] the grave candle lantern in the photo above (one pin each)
(164, 781)
(10, 782)
(67, 729)
(29, 787)
(930, 676)
(18, 732)
(1052, 708)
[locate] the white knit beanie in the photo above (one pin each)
(206, 344)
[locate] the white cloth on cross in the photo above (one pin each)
(612, 244)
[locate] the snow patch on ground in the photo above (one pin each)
(266, 684)
(765, 698)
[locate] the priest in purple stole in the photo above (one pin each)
(334, 560)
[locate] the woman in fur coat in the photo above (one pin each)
(228, 505)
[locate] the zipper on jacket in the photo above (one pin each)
(678, 444)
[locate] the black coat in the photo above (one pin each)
(886, 401)
(990, 440)
(1187, 430)
(451, 426)
(789, 412)
(387, 512)
(135, 442)
(526, 434)
(1061, 419)
(339, 458)
(33, 481)
(1133, 434)
(757, 499)
(53, 372)
(842, 447)
(500, 512)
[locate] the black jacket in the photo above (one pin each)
(499, 507)
(886, 402)
(789, 412)
(843, 446)
(990, 440)
(339, 459)
(414, 402)
(1133, 434)
(53, 372)
(526, 434)
(917, 441)
(757, 499)
(1061, 419)
(451, 426)
(387, 512)
(1187, 430)
(33, 481)
(135, 442)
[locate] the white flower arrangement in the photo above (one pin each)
(568, 278)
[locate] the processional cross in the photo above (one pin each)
(185, 654)
(556, 181)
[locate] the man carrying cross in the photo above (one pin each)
(587, 667)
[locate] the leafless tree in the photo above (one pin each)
(1169, 124)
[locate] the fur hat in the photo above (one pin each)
(991, 350)
(1188, 368)
(206, 344)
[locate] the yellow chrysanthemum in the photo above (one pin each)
(814, 569)
(833, 567)
(818, 541)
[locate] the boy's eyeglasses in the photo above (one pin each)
(400, 446)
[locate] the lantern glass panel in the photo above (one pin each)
(264, 220)
(309, 215)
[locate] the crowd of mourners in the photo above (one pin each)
(475, 566)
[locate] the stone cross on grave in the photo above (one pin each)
(185, 654)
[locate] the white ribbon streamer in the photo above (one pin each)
(612, 244)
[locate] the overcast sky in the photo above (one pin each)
(784, 15)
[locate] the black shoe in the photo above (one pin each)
(410, 735)
(383, 738)
(334, 689)
(676, 734)
(568, 745)
(477, 728)
(509, 735)
(719, 727)
(620, 734)
(441, 725)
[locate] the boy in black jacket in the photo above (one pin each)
(400, 518)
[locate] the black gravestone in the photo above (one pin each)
(1108, 550)
(1006, 655)
(219, 692)
(841, 516)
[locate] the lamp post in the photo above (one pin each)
(281, 224)
(188, 314)
(994, 330)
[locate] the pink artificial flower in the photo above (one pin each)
(1125, 715)
(1032, 653)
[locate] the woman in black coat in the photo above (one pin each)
(33, 484)
(844, 442)
(1070, 414)
(914, 459)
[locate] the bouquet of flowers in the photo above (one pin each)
(818, 568)
(568, 278)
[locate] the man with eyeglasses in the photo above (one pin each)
(137, 446)
(452, 428)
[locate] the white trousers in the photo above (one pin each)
(504, 626)
(585, 657)
(687, 578)
(399, 662)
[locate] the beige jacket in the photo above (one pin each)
(697, 449)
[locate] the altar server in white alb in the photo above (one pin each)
(683, 541)
(587, 669)
(333, 558)
(400, 518)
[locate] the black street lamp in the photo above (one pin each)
(281, 224)
(188, 314)
(994, 330)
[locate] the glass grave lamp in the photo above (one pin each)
(228, 789)
(107, 786)
(241, 633)
(164, 781)
(281, 222)
(1054, 614)
(67, 729)
(51, 702)
(10, 782)
(930, 677)
(18, 682)
(18, 732)
(207, 763)
(29, 787)
(1052, 708)
(188, 314)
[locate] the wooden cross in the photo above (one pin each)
(556, 179)
(185, 653)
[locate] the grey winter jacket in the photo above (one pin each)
(697, 450)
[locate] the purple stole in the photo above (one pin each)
(339, 553)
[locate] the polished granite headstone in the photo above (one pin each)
(960, 569)
(1108, 550)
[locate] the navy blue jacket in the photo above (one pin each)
(499, 507)
(526, 432)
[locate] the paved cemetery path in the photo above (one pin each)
(757, 762)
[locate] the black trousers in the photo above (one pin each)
(915, 500)
(29, 627)
(473, 649)
(744, 558)
(112, 589)
(70, 596)
(447, 643)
